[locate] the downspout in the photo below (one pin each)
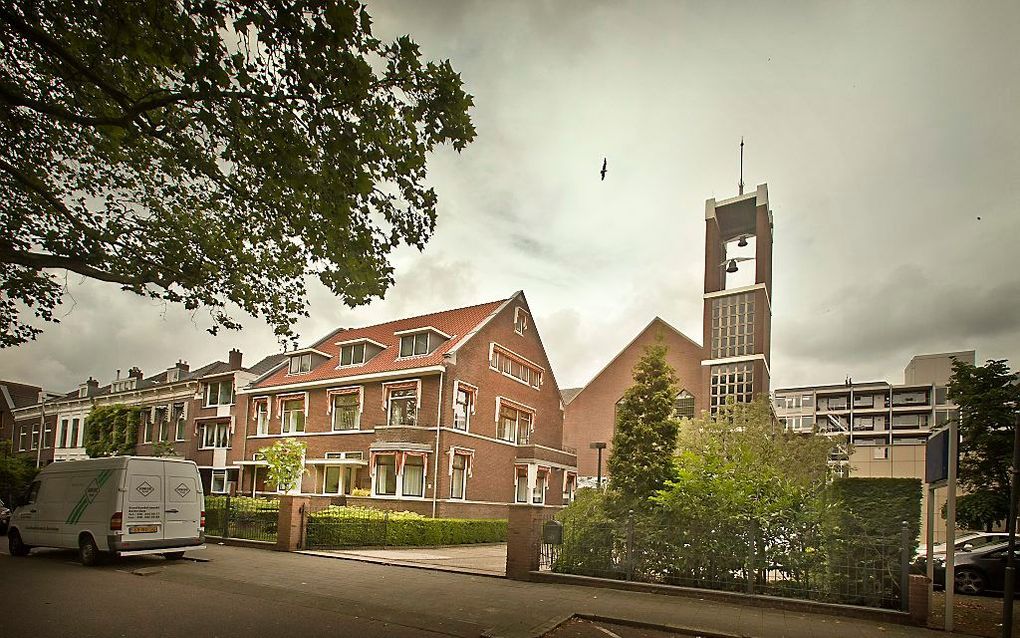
(244, 447)
(435, 465)
(42, 432)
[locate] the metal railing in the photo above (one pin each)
(863, 571)
(241, 517)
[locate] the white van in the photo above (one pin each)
(124, 505)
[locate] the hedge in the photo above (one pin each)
(862, 536)
(250, 518)
(356, 526)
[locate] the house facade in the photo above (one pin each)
(455, 413)
(186, 413)
(590, 412)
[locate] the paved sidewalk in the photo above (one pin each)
(468, 606)
(481, 560)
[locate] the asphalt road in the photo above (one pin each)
(50, 594)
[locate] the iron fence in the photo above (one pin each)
(241, 517)
(859, 570)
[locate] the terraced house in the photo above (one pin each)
(184, 412)
(455, 413)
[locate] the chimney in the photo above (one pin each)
(182, 365)
(135, 373)
(234, 358)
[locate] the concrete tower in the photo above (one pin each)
(738, 318)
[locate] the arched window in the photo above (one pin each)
(684, 405)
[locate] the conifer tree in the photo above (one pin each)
(646, 431)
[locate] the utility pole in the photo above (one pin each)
(1009, 586)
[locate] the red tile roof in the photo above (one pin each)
(458, 323)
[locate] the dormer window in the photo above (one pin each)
(83, 391)
(413, 345)
(173, 375)
(352, 355)
(123, 384)
(301, 363)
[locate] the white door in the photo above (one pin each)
(144, 502)
(183, 500)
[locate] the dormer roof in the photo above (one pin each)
(454, 325)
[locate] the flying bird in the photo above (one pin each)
(603, 171)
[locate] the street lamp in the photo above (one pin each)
(599, 445)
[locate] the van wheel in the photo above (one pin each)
(174, 555)
(14, 543)
(88, 553)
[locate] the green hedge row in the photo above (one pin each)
(330, 529)
(250, 518)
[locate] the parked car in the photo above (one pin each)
(5, 518)
(966, 542)
(123, 505)
(977, 571)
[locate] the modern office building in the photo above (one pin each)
(884, 426)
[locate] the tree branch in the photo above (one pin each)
(42, 261)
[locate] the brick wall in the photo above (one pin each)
(591, 415)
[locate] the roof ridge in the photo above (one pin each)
(427, 314)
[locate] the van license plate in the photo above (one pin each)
(142, 529)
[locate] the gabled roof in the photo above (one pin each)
(655, 321)
(569, 394)
(458, 323)
(18, 395)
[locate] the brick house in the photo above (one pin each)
(455, 413)
(590, 412)
(24, 435)
(191, 412)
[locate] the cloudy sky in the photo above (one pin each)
(883, 130)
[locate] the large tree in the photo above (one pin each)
(989, 397)
(211, 153)
(646, 429)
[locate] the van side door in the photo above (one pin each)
(184, 501)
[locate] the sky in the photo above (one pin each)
(883, 130)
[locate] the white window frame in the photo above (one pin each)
(208, 402)
(181, 423)
(541, 484)
(376, 478)
(520, 320)
(414, 339)
(465, 461)
(333, 412)
(520, 409)
(262, 415)
(146, 418)
(302, 360)
(472, 395)
(64, 429)
(353, 348)
(389, 389)
(521, 483)
(285, 422)
(212, 482)
(505, 361)
(216, 429)
(403, 475)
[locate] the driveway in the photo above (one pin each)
(482, 560)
